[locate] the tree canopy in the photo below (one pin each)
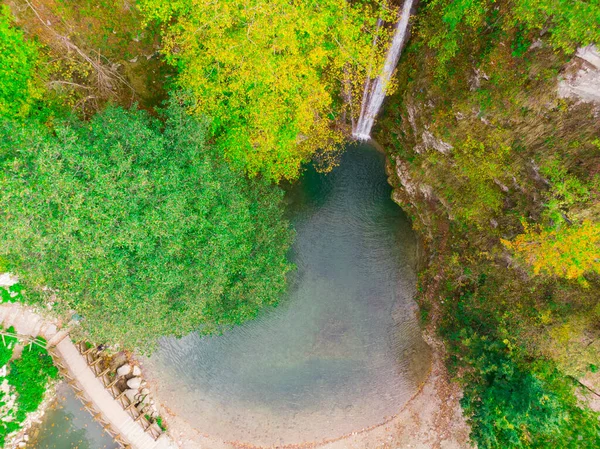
(141, 228)
(270, 73)
(512, 405)
(568, 252)
(18, 64)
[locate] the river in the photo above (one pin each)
(67, 425)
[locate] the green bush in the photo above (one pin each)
(511, 400)
(514, 405)
(29, 375)
(6, 348)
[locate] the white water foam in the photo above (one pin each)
(375, 92)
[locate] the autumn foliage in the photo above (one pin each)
(567, 252)
(271, 74)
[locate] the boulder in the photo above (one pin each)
(124, 370)
(584, 85)
(130, 394)
(134, 383)
(8, 280)
(136, 371)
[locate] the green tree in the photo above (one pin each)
(570, 24)
(139, 226)
(514, 405)
(19, 87)
(271, 73)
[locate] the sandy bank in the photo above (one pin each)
(432, 419)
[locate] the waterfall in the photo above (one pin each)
(374, 91)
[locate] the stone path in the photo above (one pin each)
(125, 429)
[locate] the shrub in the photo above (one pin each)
(29, 376)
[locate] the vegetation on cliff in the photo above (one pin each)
(506, 171)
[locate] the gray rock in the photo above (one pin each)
(430, 141)
(124, 370)
(131, 394)
(134, 382)
(8, 280)
(585, 84)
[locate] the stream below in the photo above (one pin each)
(67, 425)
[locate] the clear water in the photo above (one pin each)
(67, 425)
(343, 350)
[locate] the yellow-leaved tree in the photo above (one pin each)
(567, 252)
(272, 74)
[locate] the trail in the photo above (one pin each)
(87, 384)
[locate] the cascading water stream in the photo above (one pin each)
(374, 92)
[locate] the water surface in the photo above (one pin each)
(67, 425)
(342, 351)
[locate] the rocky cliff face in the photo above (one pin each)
(420, 125)
(500, 145)
(582, 79)
(482, 168)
